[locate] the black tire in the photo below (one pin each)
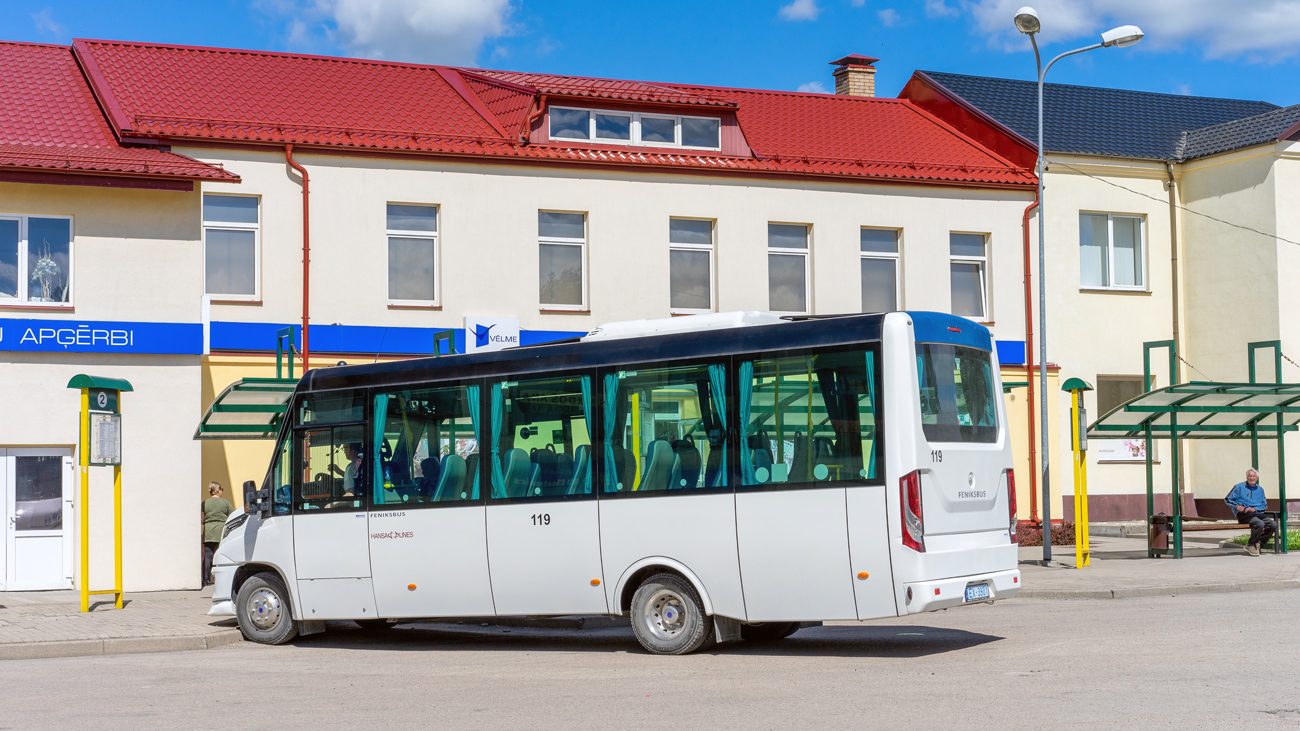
(263, 610)
(373, 625)
(668, 617)
(767, 631)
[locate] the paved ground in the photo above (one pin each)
(1131, 663)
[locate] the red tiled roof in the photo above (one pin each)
(50, 123)
(614, 89)
(187, 93)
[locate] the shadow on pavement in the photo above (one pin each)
(826, 641)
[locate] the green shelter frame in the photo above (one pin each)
(1204, 410)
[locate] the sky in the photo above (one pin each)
(1246, 49)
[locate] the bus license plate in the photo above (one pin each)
(976, 592)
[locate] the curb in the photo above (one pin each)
(118, 645)
(1162, 590)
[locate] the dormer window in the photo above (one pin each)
(634, 128)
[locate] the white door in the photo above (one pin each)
(37, 524)
(545, 557)
(873, 576)
(431, 561)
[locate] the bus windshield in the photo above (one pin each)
(957, 400)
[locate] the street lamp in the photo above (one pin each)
(1126, 35)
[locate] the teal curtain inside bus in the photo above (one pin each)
(746, 378)
(612, 427)
(717, 439)
(381, 409)
(498, 428)
(473, 397)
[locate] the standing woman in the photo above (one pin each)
(215, 511)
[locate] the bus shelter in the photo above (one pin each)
(1203, 410)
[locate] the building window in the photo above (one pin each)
(690, 265)
(787, 267)
(634, 128)
(412, 254)
(1111, 251)
(879, 269)
(35, 260)
(562, 244)
(969, 269)
(1115, 390)
(230, 246)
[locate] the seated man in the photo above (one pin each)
(1248, 504)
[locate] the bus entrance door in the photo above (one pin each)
(330, 526)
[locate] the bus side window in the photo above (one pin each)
(541, 437)
(333, 468)
(665, 429)
(426, 446)
(809, 419)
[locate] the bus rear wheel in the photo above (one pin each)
(263, 612)
(668, 617)
(767, 631)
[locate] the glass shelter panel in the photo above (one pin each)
(809, 419)
(665, 429)
(541, 438)
(426, 446)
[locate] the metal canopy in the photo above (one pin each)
(1205, 410)
(250, 408)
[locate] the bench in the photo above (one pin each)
(1195, 524)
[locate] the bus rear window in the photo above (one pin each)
(957, 399)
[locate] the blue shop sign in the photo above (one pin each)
(95, 336)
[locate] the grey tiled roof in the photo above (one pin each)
(1257, 130)
(1094, 121)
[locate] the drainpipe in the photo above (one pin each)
(1181, 477)
(306, 251)
(1029, 369)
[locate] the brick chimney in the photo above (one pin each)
(855, 76)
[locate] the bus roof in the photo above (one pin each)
(938, 327)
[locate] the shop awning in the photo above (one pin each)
(1204, 411)
(250, 408)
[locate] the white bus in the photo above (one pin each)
(712, 478)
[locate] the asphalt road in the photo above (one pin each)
(1210, 661)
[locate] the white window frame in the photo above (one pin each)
(1110, 253)
(437, 252)
(709, 247)
(635, 131)
(983, 262)
(806, 253)
(256, 228)
(24, 284)
(896, 257)
(582, 244)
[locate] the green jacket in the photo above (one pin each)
(215, 512)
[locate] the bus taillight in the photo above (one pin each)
(1011, 501)
(909, 492)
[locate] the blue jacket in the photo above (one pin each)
(1247, 496)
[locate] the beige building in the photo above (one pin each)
(1165, 220)
(427, 196)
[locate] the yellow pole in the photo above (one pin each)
(1083, 490)
(85, 499)
(1081, 552)
(117, 529)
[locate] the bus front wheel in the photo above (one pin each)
(668, 617)
(262, 610)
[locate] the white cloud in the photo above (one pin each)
(857, 3)
(888, 17)
(1258, 30)
(800, 10)
(812, 87)
(1185, 89)
(939, 9)
(45, 23)
(421, 31)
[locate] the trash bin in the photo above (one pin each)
(1158, 535)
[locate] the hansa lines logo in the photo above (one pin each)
(491, 333)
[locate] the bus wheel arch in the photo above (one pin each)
(249, 570)
(637, 573)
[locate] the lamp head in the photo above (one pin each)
(1125, 35)
(1027, 20)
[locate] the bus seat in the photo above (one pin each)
(799, 465)
(428, 485)
(451, 478)
(823, 448)
(518, 472)
(713, 463)
(675, 474)
(471, 472)
(563, 474)
(689, 463)
(545, 479)
(580, 482)
(762, 459)
(658, 465)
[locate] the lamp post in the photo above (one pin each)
(1125, 35)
